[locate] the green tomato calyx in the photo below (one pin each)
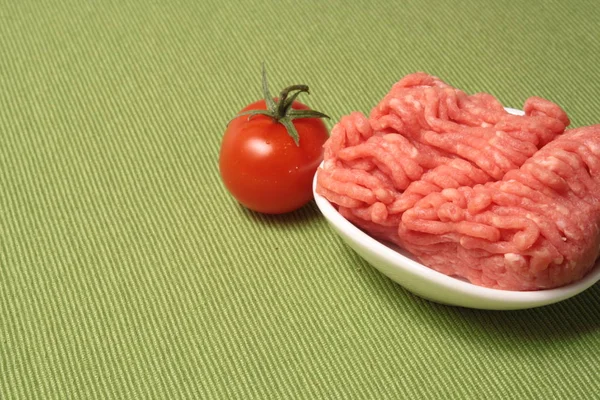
(280, 110)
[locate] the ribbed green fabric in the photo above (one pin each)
(128, 272)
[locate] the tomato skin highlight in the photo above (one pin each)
(263, 168)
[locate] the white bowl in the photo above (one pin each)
(432, 285)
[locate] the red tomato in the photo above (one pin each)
(262, 166)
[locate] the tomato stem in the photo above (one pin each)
(280, 110)
(284, 104)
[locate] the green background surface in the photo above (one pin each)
(126, 269)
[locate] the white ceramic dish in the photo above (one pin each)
(435, 286)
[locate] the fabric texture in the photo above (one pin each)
(126, 269)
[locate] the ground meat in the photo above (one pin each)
(537, 228)
(425, 136)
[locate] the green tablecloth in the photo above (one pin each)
(126, 269)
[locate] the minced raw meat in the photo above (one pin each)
(537, 228)
(426, 137)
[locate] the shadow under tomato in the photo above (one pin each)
(304, 215)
